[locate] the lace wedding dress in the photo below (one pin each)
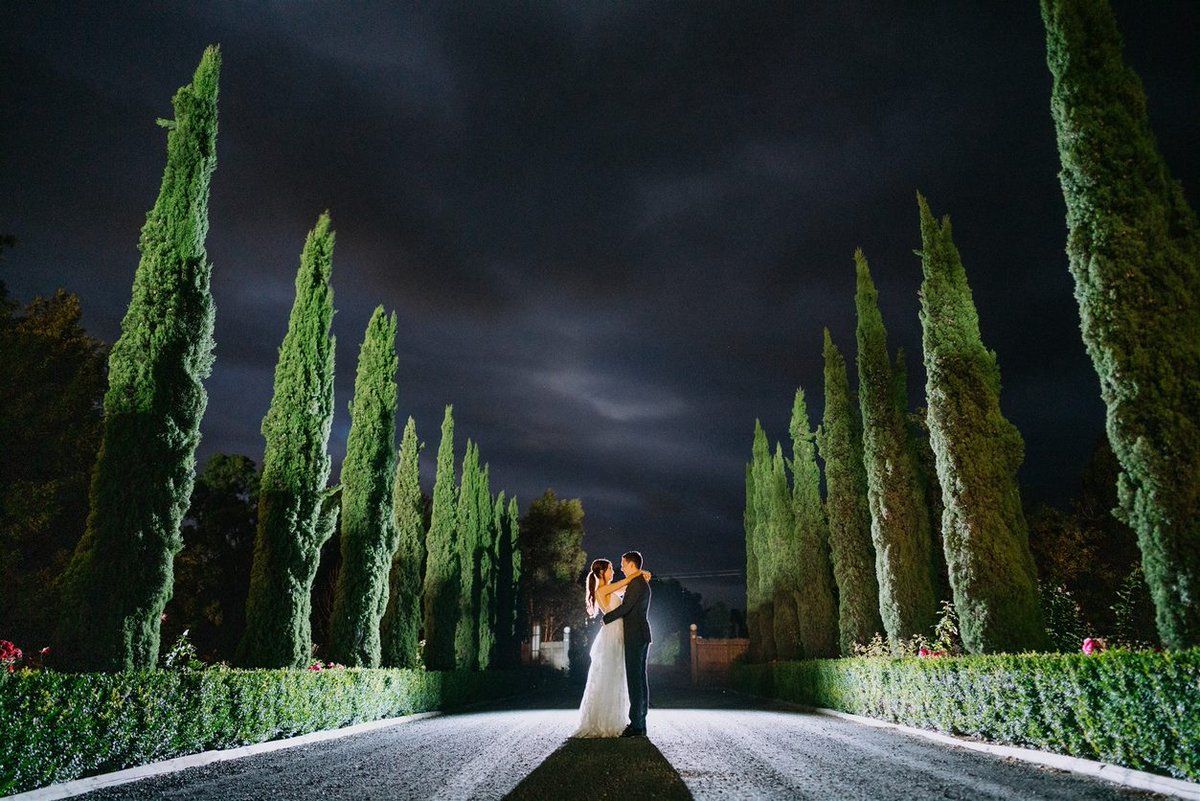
(604, 711)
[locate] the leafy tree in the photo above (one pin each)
(852, 553)
(212, 572)
(899, 518)
(401, 626)
(1087, 551)
(369, 535)
(1134, 250)
(291, 528)
(816, 606)
(120, 577)
(978, 453)
(443, 575)
(51, 391)
(552, 558)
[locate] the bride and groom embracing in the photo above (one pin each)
(617, 676)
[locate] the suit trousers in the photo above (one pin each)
(639, 687)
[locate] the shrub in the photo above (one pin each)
(61, 726)
(1138, 709)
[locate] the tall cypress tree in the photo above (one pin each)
(121, 574)
(851, 550)
(442, 573)
(753, 599)
(760, 462)
(513, 527)
(899, 519)
(400, 628)
(506, 606)
(369, 535)
(291, 526)
(815, 604)
(486, 626)
(775, 507)
(466, 638)
(978, 452)
(1134, 248)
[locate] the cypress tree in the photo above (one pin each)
(851, 550)
(931, 491)
(761, 468)
(486, 626)
(899, 519)
(1134, 249)
(815, 606)
(291, 525)
(513, 527)
(978, 452)
(753, 599)
(442, 573)
(775, 506)
(466, 638)
(369, 535)
(400, 629)
(121, 574)
(505, 599)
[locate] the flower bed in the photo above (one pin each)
(62, 726)
(1138, 709)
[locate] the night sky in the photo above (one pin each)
(612, 232)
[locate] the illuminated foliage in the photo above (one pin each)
(401, 625)
(978, 452)
(120, 577)
(294, 505)
(899, 518)
(849, 516)
(1134, 250)
(369, 535)
(442, 573)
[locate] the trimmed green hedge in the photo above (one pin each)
(62, 726)
(1138, 709)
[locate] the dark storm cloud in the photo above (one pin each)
(612, 232)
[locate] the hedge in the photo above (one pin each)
(1137, 709)
(62, 726)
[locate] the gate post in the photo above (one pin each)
(695, 655)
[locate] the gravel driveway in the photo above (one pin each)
(703, 745)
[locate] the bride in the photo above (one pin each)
(604, 711)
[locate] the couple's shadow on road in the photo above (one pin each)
(600, 769)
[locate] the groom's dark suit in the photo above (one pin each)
(637, 646)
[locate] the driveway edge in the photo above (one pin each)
(1116, 774)
(90, 783)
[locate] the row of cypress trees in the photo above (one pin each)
(121, 574)
(470, 590)
(1134, 252)
(874, 532)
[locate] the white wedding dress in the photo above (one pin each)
(604, 711)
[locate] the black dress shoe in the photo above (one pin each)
(629, 732)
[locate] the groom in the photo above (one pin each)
(637, 643)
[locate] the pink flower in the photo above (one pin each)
(45, 651)
(923, 651)
(1092, 645)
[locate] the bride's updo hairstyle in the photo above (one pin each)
(595, 576)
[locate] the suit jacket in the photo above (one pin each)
(634, 608)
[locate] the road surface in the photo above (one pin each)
(702, 745)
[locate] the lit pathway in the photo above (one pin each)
(702, 745)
